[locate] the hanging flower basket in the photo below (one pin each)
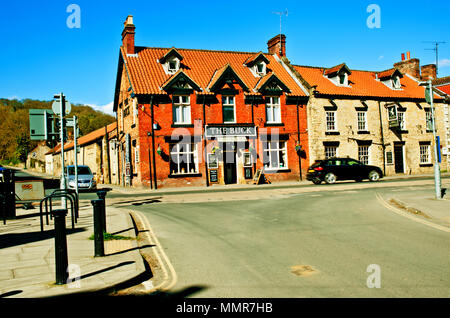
(159, 150)
(298, 147)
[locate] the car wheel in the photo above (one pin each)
(317, 181)
(330, 178)
(374, 176)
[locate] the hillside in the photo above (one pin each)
(15, 140)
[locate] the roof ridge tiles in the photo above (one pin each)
(202, 50)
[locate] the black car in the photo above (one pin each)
(333, 169)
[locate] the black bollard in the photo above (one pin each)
(99, 248)
(101, 195)
(61, 261)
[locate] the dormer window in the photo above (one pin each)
(390, 78)
(343, 79)
(396, 82)
(171, 61)
(257, 64)
(338, 74)
(260, 68)
(173, 65)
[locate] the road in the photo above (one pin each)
(295, 241)
(290, 243)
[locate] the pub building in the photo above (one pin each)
(191, 117)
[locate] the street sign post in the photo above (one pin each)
(61, 102)
(437, 171)
(56, 107)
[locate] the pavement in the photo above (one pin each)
(27, 256)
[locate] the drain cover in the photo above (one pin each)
(303, 270)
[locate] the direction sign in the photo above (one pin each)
(56, 107)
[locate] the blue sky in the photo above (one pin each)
(41, 55)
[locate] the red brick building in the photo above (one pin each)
(202, 117)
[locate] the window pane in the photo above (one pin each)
(228, 114)
(269, 114)
(277, 114)
(186, 114)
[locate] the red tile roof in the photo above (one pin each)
(335, 69)
(147, 74)
(96, 134)
(361, 84)
(445, 88)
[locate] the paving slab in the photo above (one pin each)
(27, 255)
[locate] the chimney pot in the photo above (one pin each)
(408, 55)
(403, 56)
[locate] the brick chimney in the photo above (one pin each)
(428, 72)
(409, 66)
(128, 35)
(277, 45)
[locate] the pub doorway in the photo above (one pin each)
(229, 163)
(398, 158)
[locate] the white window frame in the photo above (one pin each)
(395, 82)
(330, 151)
(345, 79)
(263, 71)
(362, 121)
(177, 65)
(181, 151)
(424, 153)
(364, 154)
(331, 114)
(269, 151)
(228, 104)
(272, 108)
(179, 104)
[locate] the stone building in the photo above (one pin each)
(96, 150)
(203, 117)
(36, 157)
(378, 118)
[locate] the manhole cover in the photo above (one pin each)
(303, 270)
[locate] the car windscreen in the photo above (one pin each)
(81, 170)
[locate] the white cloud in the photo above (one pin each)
(380, 57)
(108, 108)
(444, 63)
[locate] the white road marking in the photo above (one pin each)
(413, 218)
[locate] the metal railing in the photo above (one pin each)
(69, 194)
